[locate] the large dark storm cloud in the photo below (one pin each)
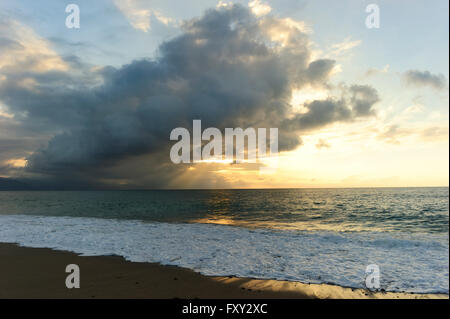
(228, 68)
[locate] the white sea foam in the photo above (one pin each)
(411, 263)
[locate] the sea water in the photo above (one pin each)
(308, 235)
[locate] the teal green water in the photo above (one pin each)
(422, 210)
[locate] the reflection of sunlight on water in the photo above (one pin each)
(223, 220)
(219, 221)
(297, 225)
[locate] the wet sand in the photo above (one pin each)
(40, 273)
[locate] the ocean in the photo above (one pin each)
(307, 235)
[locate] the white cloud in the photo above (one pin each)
(139, 15)
(222, 4)
(339, 48)
(163, 19)
(374, 71)
(258, 8)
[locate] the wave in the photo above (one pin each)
(408, 262)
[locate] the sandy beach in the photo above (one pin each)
(40, 273)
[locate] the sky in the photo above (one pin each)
(93, 107)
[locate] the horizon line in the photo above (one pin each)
(215, 189)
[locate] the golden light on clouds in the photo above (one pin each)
(348, 155)
(348, 44)
(4, 113)
(286, 32)
(29, 51)
(137, 17)
(17, 162)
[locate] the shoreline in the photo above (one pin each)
(40, 273)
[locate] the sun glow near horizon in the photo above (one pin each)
(350, 113)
